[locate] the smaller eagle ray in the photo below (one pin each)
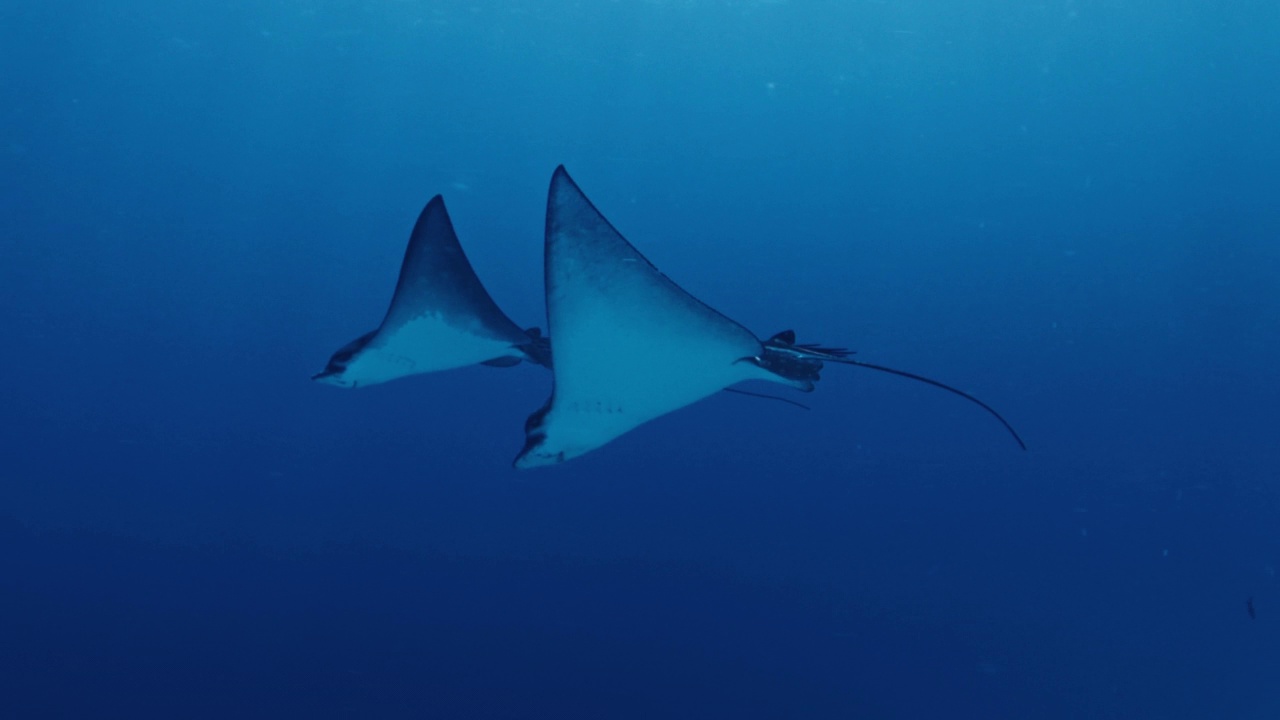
(630, 345)
(440, 317)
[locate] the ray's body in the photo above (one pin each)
(630, 345)
(440, 317)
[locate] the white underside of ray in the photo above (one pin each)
(629, 345)
(618, 369)
(425, 344)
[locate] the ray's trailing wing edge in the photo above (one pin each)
(781, 350)
(630, 345)
(440, 317)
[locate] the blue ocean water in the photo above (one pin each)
(1066, 208)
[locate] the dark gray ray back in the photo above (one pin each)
(437, 278)
(584, 248)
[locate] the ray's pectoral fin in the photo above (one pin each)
(630, 344)
(440, 317)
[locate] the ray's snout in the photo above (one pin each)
(332, 377)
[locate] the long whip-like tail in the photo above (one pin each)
(831, 357)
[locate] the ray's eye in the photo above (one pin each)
(535, 421)
(342, 358)
(338, 363)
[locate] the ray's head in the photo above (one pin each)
(343, 369)
(537, 451)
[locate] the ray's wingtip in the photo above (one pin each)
(561, 180)
(433, 210)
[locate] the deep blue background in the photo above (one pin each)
(1067, 208)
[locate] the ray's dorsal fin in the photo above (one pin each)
(440, 317)
(629, 344)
